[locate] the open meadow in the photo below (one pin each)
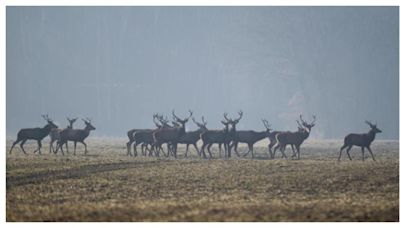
(106, 185)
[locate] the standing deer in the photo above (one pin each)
(75, 135)
(231, 133)
(210, 137)
(131, 132)
(171, 135)
(145, 136)
(294, 138)
(361, 140)
(191, 138)
(251, 137)
(55, 134)
(34, 134)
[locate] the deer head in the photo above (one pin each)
(202, 126)
(71, 122)
(49, 122)
(373, 127)
(155, 118)
(88, 124)
(307, 125)
(179, 120)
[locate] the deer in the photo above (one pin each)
(75, 135)
(131, 132)
(191, 138)
(145, 136)
(37, 134)
(251, 137)
(231, 133)
(55, 134)
(210, 137)
(294, 138)
(171, 135)
(361, 140)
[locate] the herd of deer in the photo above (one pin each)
(175, 134)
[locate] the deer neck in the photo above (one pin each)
(46, 129)
(371, 135)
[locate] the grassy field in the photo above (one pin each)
(106, 185)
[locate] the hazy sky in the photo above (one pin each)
(119, 65)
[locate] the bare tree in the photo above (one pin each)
(171, 135)
(55, 134)
(294, 138)
(34, 134)
(75, 135)
(251, 137)
(361, 140)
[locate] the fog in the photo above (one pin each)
(119, 65)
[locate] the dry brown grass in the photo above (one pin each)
(108, 186)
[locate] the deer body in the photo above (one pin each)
(361, 140)
(37, 134)
(294, 138)
(55, 134)
(75, 135)
(214, 136)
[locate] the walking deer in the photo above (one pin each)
(251, 137)
(75, 135)
(361, 140)
(34, 134)
(55, 134)
(294, 138)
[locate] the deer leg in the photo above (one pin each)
(251, 149)
(293, 151)
(39, 146)
(347, 151)
(208, 149)
(142, 147)
(134, 148)
(74, 147)
(22, 145)
(370, 151)
(14, 143)
(270, 145)
(283, 148)
(340, 153)
(86, 151)
(51, 146)
(187, 148)
(197, 149)
(298, 151)
(66, 146)
(275, 149)
(202, 150)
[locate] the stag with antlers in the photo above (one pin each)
(361, 140)
(191, 138)
(34, 134)
(210, 137)
(251, 137)
(75, 135)
(55, 134)
(294, 138)
(231, 133)
(171, 135)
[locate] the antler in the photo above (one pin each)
(191, 113)
(174, 116)
(46, 117)
(226, 117)
(197, 123)
(314, 119)
(266, 124)
(240, 116)
(302, 121)
(204, 122)
(369, 123)
(300, 126)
